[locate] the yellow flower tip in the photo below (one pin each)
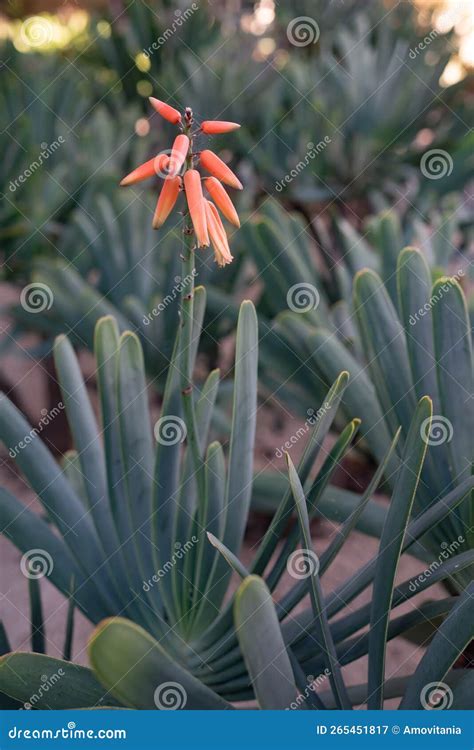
(218, 236)
(215, 166)
(165, 110)
(166, 201)
(214, 127)
(222, 200)
(196, 205)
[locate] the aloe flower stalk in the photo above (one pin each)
(202, 226)
(178, 168)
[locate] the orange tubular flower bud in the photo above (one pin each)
(169, 113)
(216, 167)
(222, 200)
(178, 153)
(195, 198)
(214, 127)
(146, 170)
(218, 236)
(166, 201)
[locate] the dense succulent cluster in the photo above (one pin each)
(361, 308)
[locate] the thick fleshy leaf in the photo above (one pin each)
(28, 532)
(63, 506)
(384, 343)
(140, 674)
(453, 348)
(88, 444)
(262, 645)
(453, 636)
(45, 683)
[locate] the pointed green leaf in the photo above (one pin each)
(262, 645)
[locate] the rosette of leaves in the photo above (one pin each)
(145, 539)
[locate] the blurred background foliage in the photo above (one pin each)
(379, 84)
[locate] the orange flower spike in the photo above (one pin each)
(148, 169)
(196, 205)
(169, 113)
(218, 236)
(178, 154)
(168, 196)
(217, 168)
(214, 127)
(222, 200)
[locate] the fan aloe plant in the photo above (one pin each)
(400, 339)
(197, 652)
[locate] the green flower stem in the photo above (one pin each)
(186, 338)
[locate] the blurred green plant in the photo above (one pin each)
(396, 349)
(59, 144)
